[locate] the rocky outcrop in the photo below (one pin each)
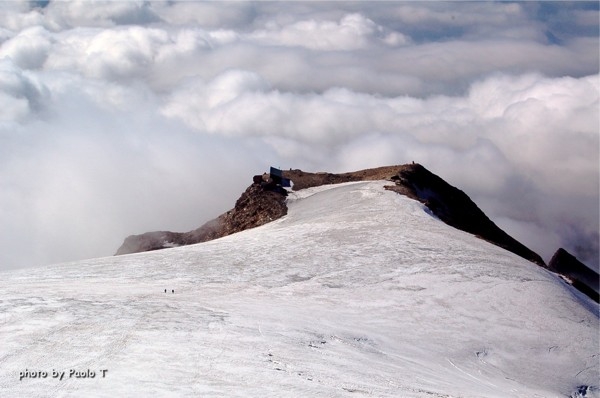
(264, 201)
(578, 274)
(455, 208)
(448, 203)
(302, 179)
(259, 204)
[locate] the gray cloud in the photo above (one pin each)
(351, 32)
(122, 117)
(20, 93)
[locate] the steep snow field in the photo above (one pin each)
(356, 292)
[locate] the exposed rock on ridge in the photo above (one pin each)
(303, 179)
(260, 203)
(578, 274)
(455, 208)
(264, 201)
(449, 204)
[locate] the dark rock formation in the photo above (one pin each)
(449, 204)
(455, 208)
(302, 179)
(259, 204)
(581, 277)
(264, 201)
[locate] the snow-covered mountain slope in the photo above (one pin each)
(358, 291)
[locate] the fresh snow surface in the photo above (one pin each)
(357, 292)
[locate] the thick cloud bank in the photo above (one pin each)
(123, 117)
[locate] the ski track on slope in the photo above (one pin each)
(356, 292)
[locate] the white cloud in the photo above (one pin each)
(109, 54)
(20, 93)
(60, 15)
(155, 115)
(29, 49)
(351, 32)
(208, 14)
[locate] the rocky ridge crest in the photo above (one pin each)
(263, 202)
(258, 205)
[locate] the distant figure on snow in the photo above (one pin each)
(165, 290)
(172, 291)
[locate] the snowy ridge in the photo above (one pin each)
(358, 291)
